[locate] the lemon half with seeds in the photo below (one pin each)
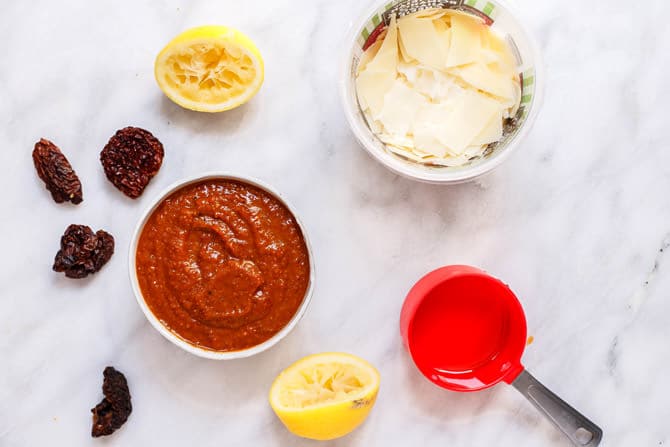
(325, 396)
(210, 69)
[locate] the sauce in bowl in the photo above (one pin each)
(222, 264)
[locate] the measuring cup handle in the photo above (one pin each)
(580, 430)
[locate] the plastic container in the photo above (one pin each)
(503, 19)
(173, 337)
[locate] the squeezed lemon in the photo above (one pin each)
(210, 69)
(325, 396)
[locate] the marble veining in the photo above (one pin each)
(577, 222)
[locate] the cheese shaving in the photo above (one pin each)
(422, 42)
(466, 41)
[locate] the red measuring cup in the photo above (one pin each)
(466, 331)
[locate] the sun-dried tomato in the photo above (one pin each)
(56, 172)
(131, 158)
(83, 252)
(113, 411)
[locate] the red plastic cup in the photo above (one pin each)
(466, 331)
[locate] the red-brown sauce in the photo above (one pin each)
(222, 264)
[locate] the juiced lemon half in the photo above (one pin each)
(210, 69)
(325, 396)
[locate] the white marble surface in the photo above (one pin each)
(576, 222)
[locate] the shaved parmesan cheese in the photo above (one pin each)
(466, 15)
(470, 153)
(376, 127)
(492, 132)
(466, 42)
(386, 59)
(431, 13)
(427, 82)
(426, 143)
(428, 122)
(442, 27)
(371, 87)
(404, 54)
(409, 70)
(434, 84)
(444, 35)
(466, 121)
(397, 140)
(422, 42)
(369, 54)
(437, 85)
(483, 78)
(401, 103)
(407, 153)
(511, 106)
(505, 61)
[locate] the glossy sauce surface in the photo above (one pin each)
(222, 264)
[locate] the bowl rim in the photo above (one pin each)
(366, 138)
(173, 337)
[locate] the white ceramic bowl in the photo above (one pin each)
(176, 339)
(504, 22)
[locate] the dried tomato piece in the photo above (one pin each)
(57, 173)
(113, 411)
(104, 249)
(131, 158)
(83, 252)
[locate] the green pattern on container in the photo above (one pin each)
(365, 34)
(528, 88)
(471, 3)
(376, 20)
(488, 9)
